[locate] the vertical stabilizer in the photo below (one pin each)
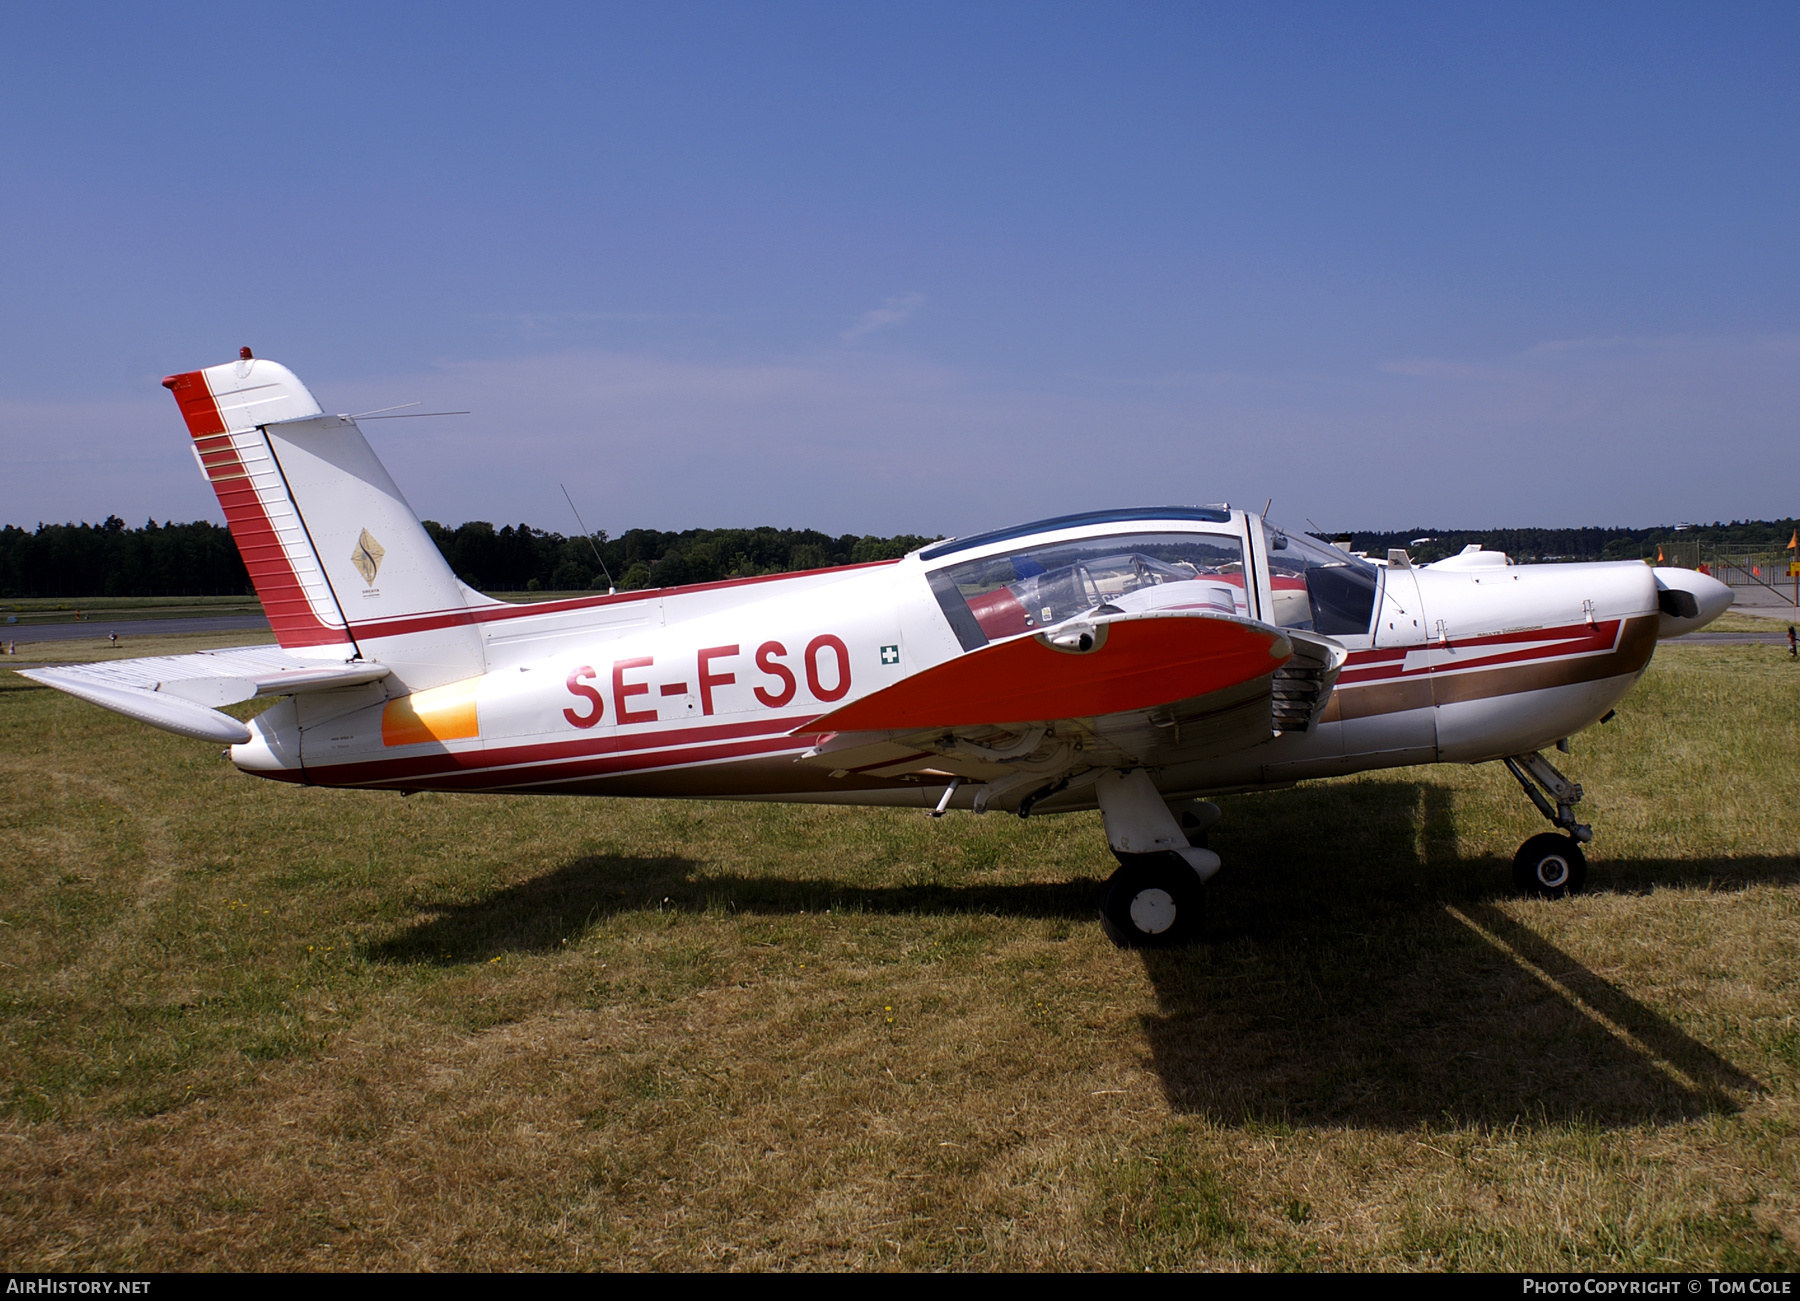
(337, 555)
(235, 458)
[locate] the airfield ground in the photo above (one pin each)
(253, 1026)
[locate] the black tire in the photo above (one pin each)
(1154, 901)
(1549, 866)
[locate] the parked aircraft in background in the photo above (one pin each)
(1132, 660)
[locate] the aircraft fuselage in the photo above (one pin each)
(696, 692)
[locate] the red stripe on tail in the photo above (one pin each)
(196, 402)
(283, 599)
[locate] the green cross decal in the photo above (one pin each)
(890, 654)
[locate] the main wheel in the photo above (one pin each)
(1549, 866)
(1154, 901)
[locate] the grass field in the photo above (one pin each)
(35, 610)
(1768, 624)
(248, 1025)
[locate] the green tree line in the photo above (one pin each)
(1684, 541)
(109, 559)
(199, 559)
(521, 558)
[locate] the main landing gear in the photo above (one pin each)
(1155, 900)
(1550, 866)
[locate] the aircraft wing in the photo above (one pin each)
(181, 693)
(1042, 711)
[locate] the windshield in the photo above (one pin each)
(1319, 588)
(1002, 596)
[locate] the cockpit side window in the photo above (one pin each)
(1034, 587)
(1319, 588)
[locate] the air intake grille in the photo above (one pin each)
(1299, 693)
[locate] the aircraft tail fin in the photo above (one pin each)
(338, 557)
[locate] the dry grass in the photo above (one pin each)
(1768, 622)
(253, 1026)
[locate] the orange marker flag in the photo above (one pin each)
(1795, 543)
(1659, 558)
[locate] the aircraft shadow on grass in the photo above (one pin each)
(1369, 978)
(1357, 970)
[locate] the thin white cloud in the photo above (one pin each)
(1438, 368)
(892, 312)
(846, 439)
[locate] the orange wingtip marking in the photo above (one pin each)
(1142, 663)
(441, 714)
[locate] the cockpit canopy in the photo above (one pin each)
(1314, 587)
(1034, 587)
(1319, 588)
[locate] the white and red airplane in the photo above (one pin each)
(1131, 660)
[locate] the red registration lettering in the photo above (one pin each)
(813, 648)
(580, 688)
(621, 691)
(765, 660)
(709, 679)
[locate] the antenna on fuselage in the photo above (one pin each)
(610, 589)
(410, 415)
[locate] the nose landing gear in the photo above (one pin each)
(1549, 866)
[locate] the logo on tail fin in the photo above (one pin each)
(367, 557)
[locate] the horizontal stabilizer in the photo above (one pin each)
(1090, 670)
(159, 709)
(181, 693)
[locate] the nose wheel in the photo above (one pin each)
(1549, 866)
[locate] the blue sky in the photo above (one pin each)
(925, 268)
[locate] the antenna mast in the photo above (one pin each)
(610, 589)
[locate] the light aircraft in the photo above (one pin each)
(1132, 660)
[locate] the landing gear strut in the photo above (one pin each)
(1549, 866)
